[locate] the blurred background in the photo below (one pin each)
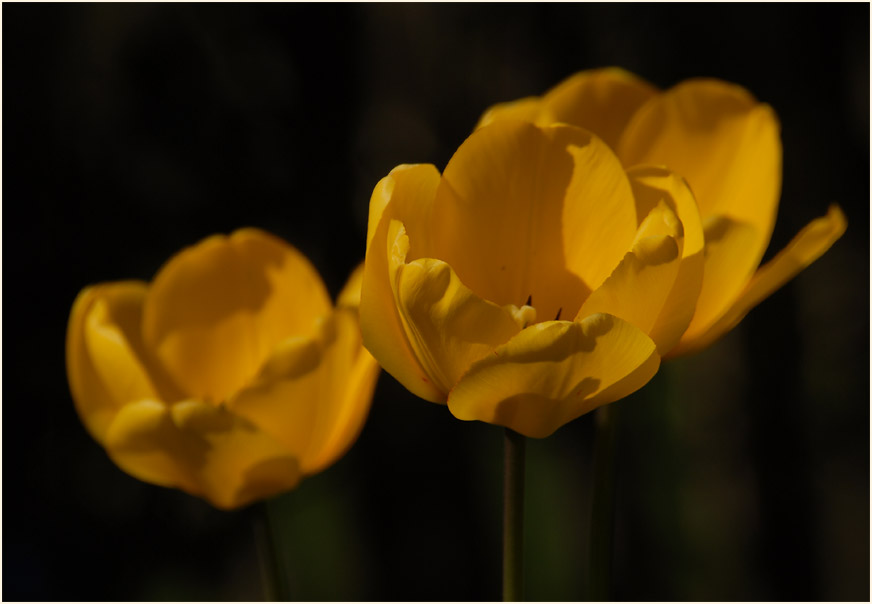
(131, 131)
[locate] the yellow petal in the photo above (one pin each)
(599, 100)
(201, 449)
(528, 109)
(349, 297)
(217, 309)
(448, 326)
(808, 245)
(724, 143)
(652, 186)
(639, 287)
(107, 365)
(526, 211)
(314, 393)
(351, 378)
(407, 193)
(729, 247)
(553, 372)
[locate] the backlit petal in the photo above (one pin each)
(729, 244)
(313, 394)
(448, 326)
(106, 362)
(408, 192)
(553, 372)
(201, 449)
(528, 109)
(526, 211)
(808, 245)
(217, 309)
(639, 287)
(599, 100)
(724, 143)
(651, 186)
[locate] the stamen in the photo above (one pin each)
(529, 301)
(559, 310)
(526, 315)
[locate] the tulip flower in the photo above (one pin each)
(230, 376)
(531, 282)
(727, 146)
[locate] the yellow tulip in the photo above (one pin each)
(727, 146)
(230, 376)
(531, 282)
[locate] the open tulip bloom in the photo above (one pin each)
(230, 376)
(573, 241)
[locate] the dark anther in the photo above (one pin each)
(559, 310)
(529, 301)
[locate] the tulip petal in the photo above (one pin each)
(351, 375)
(526, 211)
(349, 297)
(217, 309)
(727, 146)
(314, 393)
(599, 100)
(551, 373)
(107, 365)
(639, 287)
(651, 186)
(728, 246)
(527, 109)
(808, 245)
(448, 326)
(407, 193)
(201, 449)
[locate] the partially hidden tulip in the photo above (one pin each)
(230, 376)
(727, 146)
(532, 281)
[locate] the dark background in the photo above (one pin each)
(130, 131)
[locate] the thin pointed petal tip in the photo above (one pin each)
(809, 244)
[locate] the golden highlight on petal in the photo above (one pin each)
(216, 310)
(652, 186)
(448, 326)
(638, 288)
(553, 372)
(523, 210)
(724, 143)
(408, 192)
(599, 100)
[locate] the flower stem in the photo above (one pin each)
(275, 583)
(603, 505)
(513, 517)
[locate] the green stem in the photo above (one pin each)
(603, 505)
(275, 582)
(513, 517)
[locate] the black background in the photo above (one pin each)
(131, 131)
